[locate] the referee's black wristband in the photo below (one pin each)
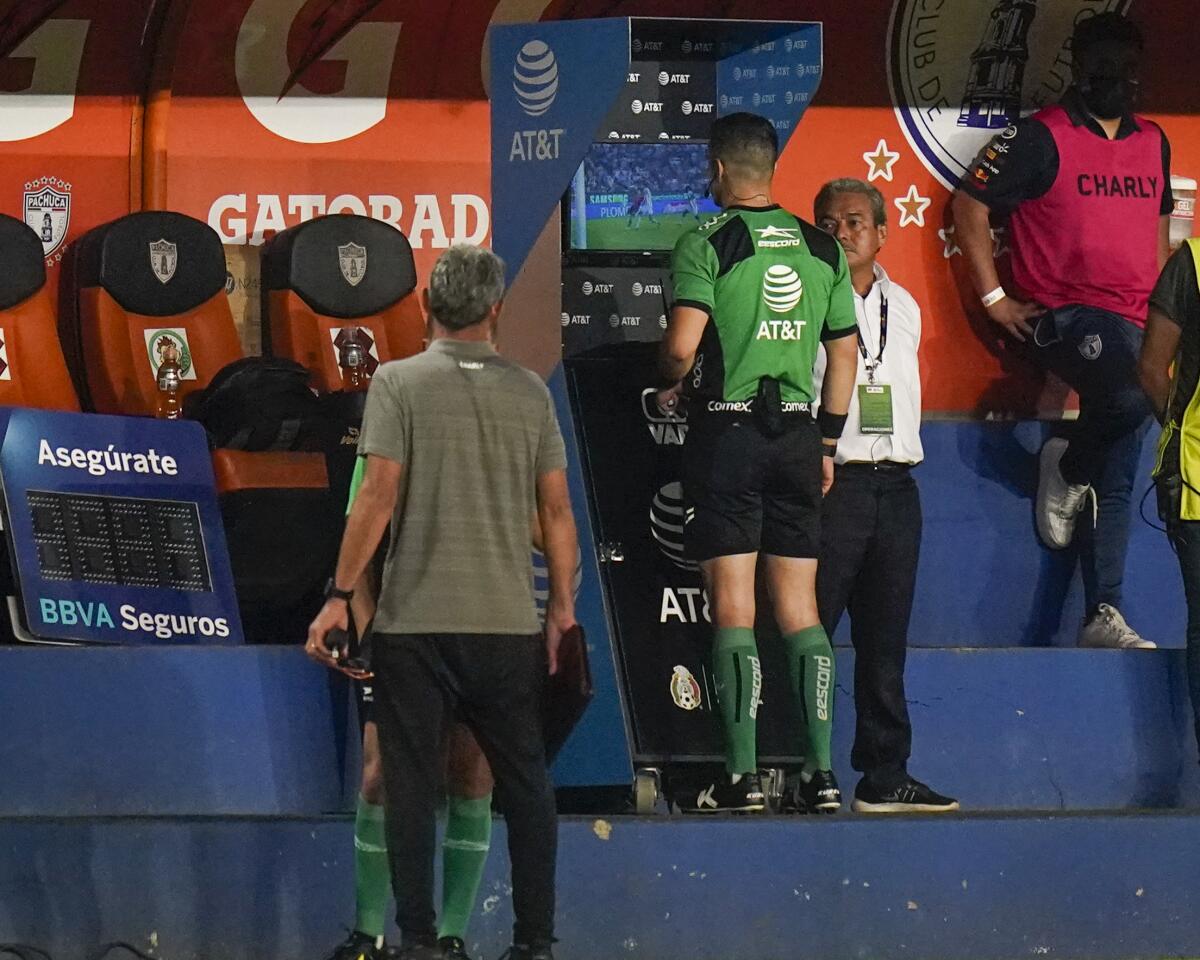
(831, 424)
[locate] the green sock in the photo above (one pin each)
(464, 853)
(372, 879)
(739, 685)
(810, 658)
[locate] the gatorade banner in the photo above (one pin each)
(268, 113)
(114, 530)
(71, 81)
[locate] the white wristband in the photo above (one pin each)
(991, 299)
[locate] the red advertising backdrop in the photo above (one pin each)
(261, 113)
(71, 81)
(269, 112)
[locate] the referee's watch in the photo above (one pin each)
(333, 593)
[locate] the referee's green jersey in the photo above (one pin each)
(773, 287)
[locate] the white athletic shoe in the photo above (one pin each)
(1058, 502)
(1107, 628)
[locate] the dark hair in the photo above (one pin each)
(850, 185)
(1105, 28)
(746, 142)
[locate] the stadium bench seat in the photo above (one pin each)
(331, 273)
(33, 372)
(143, 279)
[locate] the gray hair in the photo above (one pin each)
(467, 281)
(850, 185)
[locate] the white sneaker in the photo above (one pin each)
(1107, 628)
(1058, 502)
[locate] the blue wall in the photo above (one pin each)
(262, 731)
(1087, 887)
(985, 579)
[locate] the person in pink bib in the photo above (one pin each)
(1087, 187)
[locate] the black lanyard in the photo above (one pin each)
(862, 347)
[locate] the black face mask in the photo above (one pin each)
(1108, 98)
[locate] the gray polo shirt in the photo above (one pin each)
(474, 431)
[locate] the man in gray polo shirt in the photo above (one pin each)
(463, 449)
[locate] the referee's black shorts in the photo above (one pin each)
(746, 492)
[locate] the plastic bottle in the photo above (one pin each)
(169, 377)
(353, 360)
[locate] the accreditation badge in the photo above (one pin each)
(875, 408)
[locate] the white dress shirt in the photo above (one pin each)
(899, 369)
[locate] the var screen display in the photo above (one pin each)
(629, 196)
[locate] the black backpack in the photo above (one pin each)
(265, 403)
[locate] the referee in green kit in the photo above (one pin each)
(757, 290)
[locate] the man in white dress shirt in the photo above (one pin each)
(871, 518)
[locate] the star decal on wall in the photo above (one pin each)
(912, 207)
(880, 163)
(950, 245)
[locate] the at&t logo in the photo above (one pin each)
(782, 288)
(684, 605)
(689, 108)
(668, 516)
(535, 83)
(535, 78)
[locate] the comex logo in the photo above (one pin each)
(535, 78)
(782, 288)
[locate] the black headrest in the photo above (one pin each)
(24, 272)
(342, 265)
(155, 263)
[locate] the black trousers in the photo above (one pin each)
(493, 684)
(870, 543)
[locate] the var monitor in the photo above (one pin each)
(637, 196)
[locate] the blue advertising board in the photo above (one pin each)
(114, 530)
(552, 84)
